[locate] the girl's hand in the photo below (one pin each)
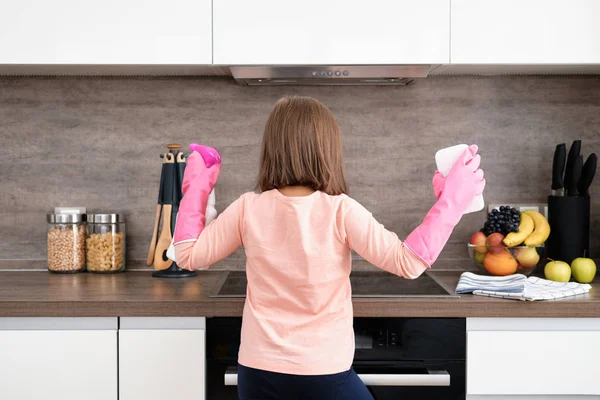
(209, 155)
(461, 185)
(199, 179)
(438, 184)
(465, 179)
(439, 180)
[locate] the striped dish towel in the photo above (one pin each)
(470, 282)
(506, 287)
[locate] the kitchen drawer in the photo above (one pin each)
(536, 362)
(58, 358)
(162, 358)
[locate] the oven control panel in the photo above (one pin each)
(414, 338)
(378, 338)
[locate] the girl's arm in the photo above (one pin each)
(219, 239)
(377, 245)
(197, 246)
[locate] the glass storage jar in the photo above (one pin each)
(66, 242)
(105, 243)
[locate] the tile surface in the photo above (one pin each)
(95, 142)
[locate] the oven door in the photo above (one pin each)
(397, 358)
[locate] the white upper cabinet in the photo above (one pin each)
(525, 32)
(272, 32)
(107, 32)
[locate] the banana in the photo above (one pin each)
(542, 229)
(526, 226)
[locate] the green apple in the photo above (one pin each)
(479, 258)
(558, 271)
(584, 269)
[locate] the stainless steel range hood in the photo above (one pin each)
(329, 75)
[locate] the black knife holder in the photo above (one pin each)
(569, 219)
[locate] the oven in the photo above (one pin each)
(397, 358)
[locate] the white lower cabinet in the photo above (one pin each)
(537, 358)
(162, 358)
(58, 358)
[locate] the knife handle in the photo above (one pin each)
(570, 182)
(558, 168)
(577, 167)
(587, 175)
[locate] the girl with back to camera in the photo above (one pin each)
(298, 233)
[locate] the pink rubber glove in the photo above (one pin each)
(462, 184)
(199, 179)
(438, 184)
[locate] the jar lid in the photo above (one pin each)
(105, 218)
(65, 218)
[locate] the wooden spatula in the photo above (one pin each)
(161, 261)
(152, 248)
(164, 240)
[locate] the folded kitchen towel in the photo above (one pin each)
(469, 282)
(533, 288)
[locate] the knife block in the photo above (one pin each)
(569, 219)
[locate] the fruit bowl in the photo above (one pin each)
(500, 260)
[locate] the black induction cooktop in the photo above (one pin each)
(364, 284)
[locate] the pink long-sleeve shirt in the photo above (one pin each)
(298, 313)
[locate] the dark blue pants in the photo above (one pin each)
(255, 384)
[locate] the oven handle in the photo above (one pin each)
(431, 378)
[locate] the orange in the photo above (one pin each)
(500, 264)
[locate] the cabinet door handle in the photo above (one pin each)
(431, 378)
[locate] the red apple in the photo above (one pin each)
(494, 242)
(478, 239)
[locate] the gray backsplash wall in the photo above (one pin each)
(95, 142)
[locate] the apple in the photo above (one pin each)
(528, 257)
(494, 242)
(478, 239)
(479, 257)
(558, 271)
(584, 269)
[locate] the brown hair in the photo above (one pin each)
(301, 146)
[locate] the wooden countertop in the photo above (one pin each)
(42, 294)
